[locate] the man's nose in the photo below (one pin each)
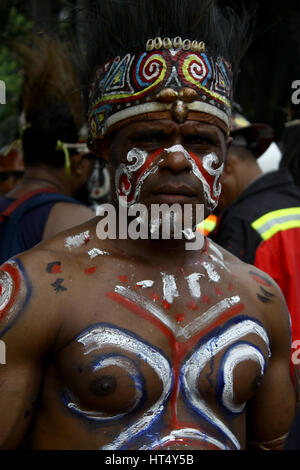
(175, 159)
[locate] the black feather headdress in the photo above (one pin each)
(51, 100)
(193, 50)
(114, 27)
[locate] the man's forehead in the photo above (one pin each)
(168, 126)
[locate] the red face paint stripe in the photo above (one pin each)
(16, 278)
(209, 178)
(150, 159)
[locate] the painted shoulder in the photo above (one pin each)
(15, 293)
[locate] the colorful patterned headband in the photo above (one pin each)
(177, 77)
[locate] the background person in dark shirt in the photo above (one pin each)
(259, 215)
(55, 158)
(11, 166)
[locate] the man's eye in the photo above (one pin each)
(150, 138)
(199, 140)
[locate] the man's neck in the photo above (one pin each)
(249, 176)
(36, 178)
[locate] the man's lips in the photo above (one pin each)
(174, 190)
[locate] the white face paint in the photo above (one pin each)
(127, 172)
(169, 287)
(77, 241)
(208, 160)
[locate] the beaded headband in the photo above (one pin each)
(177, 77)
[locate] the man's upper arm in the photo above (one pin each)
(65, 215)
(24, 341)
(271, 411)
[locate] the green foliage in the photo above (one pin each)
(10, 72)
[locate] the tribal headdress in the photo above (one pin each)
(158, 59)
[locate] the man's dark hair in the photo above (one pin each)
(291, 145)
(51, 101)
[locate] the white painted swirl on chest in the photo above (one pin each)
(186, 332)
(6, 289)
(103, 335)
(235, 355)
(131, 369)
(194, 366)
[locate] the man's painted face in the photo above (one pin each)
(167, 162)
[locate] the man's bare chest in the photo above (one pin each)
(144, 341)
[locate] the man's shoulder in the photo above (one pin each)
(252, 282)
(67, 247)
(34, 287)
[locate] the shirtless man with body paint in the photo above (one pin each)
(142, 344)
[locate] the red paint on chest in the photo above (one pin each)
(166, 304)
(56, 269)
(179, 349)
(179, 317)
(90, 271)
(153, 296)
(193, 306)
(261, 281)
(205, 299)
(123, 279)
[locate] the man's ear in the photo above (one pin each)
(79, 164)
(231, 164)
(228, 143)
(102, 148)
